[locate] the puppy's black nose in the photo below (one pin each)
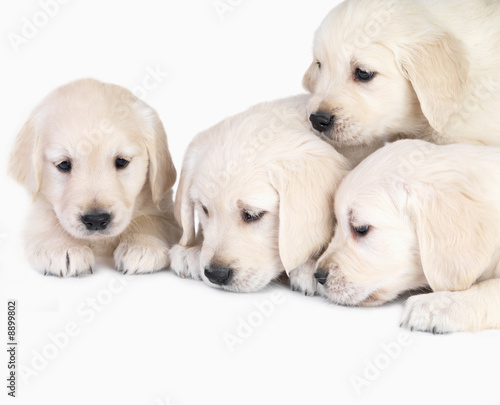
(219, 275)
(321, 276)
(321, 122)
(96, 221)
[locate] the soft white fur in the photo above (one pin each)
(436, 65)
(91, 124)
(434, 217)
(265, 159)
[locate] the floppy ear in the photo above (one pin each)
(306, 186)
(25, 162)
(184, 207)
(437, 67)
(455, 235)
(162, 173)
(310, 77)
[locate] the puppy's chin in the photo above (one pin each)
(374, 300)
(243, 281)
(356, 296)
(343, 292)
(339, 139)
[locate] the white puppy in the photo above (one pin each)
(262, 185)
(390, 69)
(96, 160)
(416, 215)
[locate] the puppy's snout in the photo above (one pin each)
(96, 221)
(321, 276)
(219, 275)
(321, 122)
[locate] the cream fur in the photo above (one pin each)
(434, 218)
(435, 65)
(264, 160)
(91, 124)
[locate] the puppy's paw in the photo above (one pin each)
(185, 262)
(141, 254)
(436, 312)
(302, 279)
(62, 260)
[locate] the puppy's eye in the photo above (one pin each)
(121, 163)
(361, 230)
(205, 210)
(364, 75)
(319, 64)
(249, 217)
(65, 166)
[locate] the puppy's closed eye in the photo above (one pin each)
(361, 230)
(249, 217)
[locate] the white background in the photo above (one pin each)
(160, 339)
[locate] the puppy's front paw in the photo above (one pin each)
(62, 260)
(302, 279)
(141, 254)
(436, 312)
(185, 262)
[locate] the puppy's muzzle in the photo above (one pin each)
(321, 276)
(96, 221)
(321, 122)
(219, 275)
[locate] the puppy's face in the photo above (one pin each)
(240, 229)
(92, 174)
(262, 186)
(359, 94)
(381, 70)
(88, 149)
(374, 255)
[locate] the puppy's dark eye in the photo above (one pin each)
(121, 163)
(205, 209)
(361, 230)
(364, 75)
(65, 166)
(249, 217)
(319, 64)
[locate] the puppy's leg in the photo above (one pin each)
(185, 261)
(302, 278)
(144, 245)
(471, 310)
(52, 251)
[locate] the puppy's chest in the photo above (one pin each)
(104, 247)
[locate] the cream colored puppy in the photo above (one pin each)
(96, 160)
(416, 215)
(262, 185)
(390, 69)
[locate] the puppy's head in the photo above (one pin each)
(262, 188)
(380, 69)
(411, 215)
(88, 149)
(374, 255)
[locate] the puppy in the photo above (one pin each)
(96, 160)
(390, 69)
(262, 185)
(417, 215)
